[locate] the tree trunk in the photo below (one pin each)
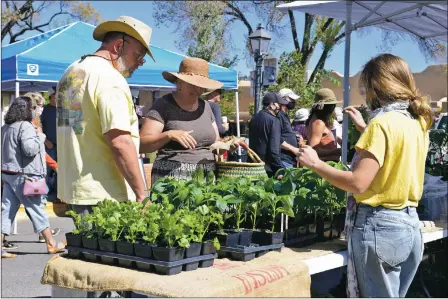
(295, 38)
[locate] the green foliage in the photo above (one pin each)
(437, 159)
(292, 75)
(227, 104)
(80, 225)
(106, 217)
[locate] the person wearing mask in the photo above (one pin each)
(298, 124)
(319, 124)
(385, 243)
(337, 126)
(23, 158)
(265, 133)
(180, 125)
(213, 99)
(98, 136)
(288, 141)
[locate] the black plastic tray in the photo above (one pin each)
(302, 241)
(161, 267)
(246, 254)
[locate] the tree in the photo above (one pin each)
(20, 17)
(318, 31)
(291, 75)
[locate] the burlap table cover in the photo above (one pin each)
(276, 274)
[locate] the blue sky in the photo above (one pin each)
(363, 47)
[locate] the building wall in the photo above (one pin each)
(432, 82)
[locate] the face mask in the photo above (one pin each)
(33, 114)
(373, 104)
(39, 110)
(291, 105)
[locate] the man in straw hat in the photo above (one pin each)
(180, 125)
(319, 124)
(98, 137)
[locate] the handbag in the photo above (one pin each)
(31, 186)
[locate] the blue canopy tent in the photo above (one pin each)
(36, 63)
(41, 60)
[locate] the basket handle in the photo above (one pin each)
(253, 155)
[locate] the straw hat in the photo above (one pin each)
(128, 25)
(324, 96)
(194, 71)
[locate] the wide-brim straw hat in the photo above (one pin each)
(193, 71)
(325, 96)
(128, 25)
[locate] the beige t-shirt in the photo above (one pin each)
(92, 99)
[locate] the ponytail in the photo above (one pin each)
(419, 106)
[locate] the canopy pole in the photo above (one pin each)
(17, 89)
(348, 33)
(237, 116)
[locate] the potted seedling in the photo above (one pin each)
(172, 238)
(276, 204)
(206, 217)
(151, 216)
(90, 237)
(109, 226)
(74, 238)
(132, 224)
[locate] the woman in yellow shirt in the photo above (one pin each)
(384, 238)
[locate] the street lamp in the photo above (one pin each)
(259, 41)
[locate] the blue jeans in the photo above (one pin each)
(287, 165)
(387, 250)
(13, 196)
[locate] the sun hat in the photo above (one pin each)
(193, 71)
(324, 96)
(302, 114)
(286, 92)
(128, 25)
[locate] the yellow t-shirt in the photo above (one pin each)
(92, 99)
(400, 144)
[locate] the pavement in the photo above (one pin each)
(21, 276)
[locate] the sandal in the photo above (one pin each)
(7, 255)
(60, 246)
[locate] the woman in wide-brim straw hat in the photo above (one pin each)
(319, 124)
(180, 125)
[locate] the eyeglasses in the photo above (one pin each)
(138, 56)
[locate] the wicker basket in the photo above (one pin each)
(240, 169)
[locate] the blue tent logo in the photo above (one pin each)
(32, 69)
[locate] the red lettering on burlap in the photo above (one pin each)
(261, 277)
(258, 283)
(246, 283)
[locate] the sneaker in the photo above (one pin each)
(8, 245)
(54, 232)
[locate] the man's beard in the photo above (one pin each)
(124, 70)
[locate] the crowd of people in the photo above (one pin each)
(91, 129)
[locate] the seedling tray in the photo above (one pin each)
(247, 253)
(301, 241)
(163, 268)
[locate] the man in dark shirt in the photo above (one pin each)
(288, 141)
(213, 99)
(48, 120)
(265, 134)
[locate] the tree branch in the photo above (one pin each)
(320, 64)
(295, 38)
(237, 13)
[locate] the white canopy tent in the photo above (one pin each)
(423, 19)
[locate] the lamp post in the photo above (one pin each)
(259, 41)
